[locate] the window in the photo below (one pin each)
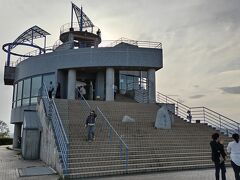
(36, 85)
(14, 96)
(26, 91)
(19, 94)
(48, 78)
(26, 88)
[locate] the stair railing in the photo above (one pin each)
(111, 131)
(200, 115)
(214, 119)
(58, 129)
(174, 106)
(140, 89)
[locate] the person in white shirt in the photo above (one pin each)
(234, 149)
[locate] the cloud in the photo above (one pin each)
(231, 90)
(197, 96)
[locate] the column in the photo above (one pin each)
(109, 84)
(99, 86)
(17, 134)
(151, 86)
(71, 84)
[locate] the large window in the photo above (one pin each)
(19, 94)
(36, 85)
(26, 91)
(14, 96)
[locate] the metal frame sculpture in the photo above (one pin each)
(82, 18)
(26, 39)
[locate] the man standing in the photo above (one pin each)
(218, 156)
(50, 90)
(90, 124)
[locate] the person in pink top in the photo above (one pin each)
(234, 149)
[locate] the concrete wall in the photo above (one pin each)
(17, 114)
(31, 136)
(125, 58)
(48, 149)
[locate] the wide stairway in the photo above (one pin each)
(185, 146)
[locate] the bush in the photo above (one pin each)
(6, 141)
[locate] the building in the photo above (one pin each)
(81, 66)
(78, 58)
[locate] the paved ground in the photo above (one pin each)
(10, 162)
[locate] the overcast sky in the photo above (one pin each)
(201, 42)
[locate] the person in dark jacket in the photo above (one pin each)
(218, 156)
(90, 124)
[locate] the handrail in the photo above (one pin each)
(58, 128)
(202, 115)
(110, 126)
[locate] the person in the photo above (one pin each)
(50, 90)
(99, 32)
(189, 116)
(234, 149)
(218, 156)
(82, 91)
(115, 91)
(90, 124)
(58, 92)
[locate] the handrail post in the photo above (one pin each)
(220, 123)
(177, 109)
(120, 149)
(126, 159)
(204, 120)
(110, 135)
(238, 128)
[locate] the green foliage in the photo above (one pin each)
(6, 141)
(4, 130)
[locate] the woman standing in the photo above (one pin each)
(234, 149)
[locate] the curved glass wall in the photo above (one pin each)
(26, 91)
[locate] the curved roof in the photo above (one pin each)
(30, 34)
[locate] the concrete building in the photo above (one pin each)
(79, 58)
(79, 65)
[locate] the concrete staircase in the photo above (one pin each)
(185, 146)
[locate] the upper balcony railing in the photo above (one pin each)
(103, 44)
(75, 27)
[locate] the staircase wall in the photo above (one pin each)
(48, 148)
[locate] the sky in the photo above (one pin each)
(200, 40)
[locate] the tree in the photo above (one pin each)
(4, 130)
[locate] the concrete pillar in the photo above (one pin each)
(71, 84)
(99, 86)
(109, 84)
(151, 86)
(17, 134)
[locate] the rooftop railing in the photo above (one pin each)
(106, 43)
(75, 27)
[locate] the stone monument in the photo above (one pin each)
(163, 119)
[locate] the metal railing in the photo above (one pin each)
(75, 27)
(141, 44)
(200, 115)
(112, 133)
(103, 44)
(58, 129)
